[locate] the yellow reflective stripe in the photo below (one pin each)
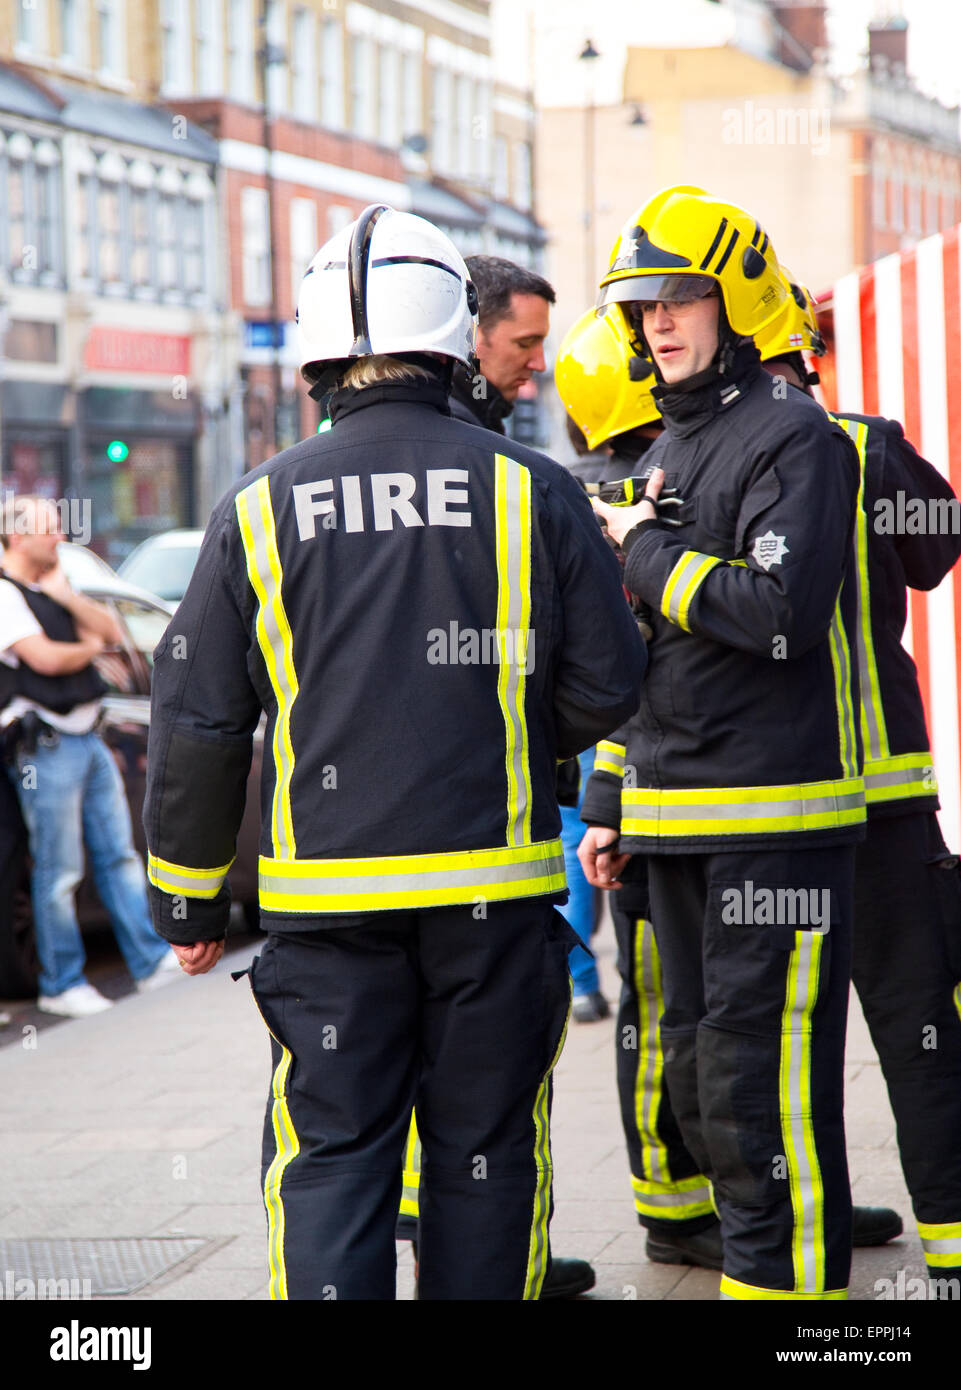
(654, 811)
(512, 506)
(941, 1242)
(649, 1077)
(673, 1201)
(797, 1133)
(957, 999)
(410, 1191)
(732, 1288)
(537, 1251)
(287, 1147)
(183, 880)
(899, 777)
(841, 662)
(256, 519)
(610, 757)
(873, 728)
(411, 880)
(683, 582)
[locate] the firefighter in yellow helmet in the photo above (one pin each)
(606, 389)
(745, 788)
(907, 926)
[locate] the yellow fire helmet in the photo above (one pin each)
(603, 385)
(681, 243)
(796, 327)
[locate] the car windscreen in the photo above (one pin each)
(163, 570)
(145, 625)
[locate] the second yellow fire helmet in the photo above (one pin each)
(603, 385)
(681, 241)
(796, 327)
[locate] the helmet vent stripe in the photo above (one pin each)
(414, 260)
(715, 243)
(730, 247)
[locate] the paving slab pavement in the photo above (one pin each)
(145, 1121)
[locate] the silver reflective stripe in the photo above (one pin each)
(920, 778)
(807, 1193)
(678, 580)
(666, 1200)
(192, 883)
(942, 1247)
(745, 810)
(256, 519)
(368, 882)
(846, 734)
(512, 500)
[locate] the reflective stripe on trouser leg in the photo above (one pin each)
(666, 1184)
(410, 1190)
(333, 1141)
(484, 1099)
(768, 1049)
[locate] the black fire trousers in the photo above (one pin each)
(460, 1017)
(907, 971)
(755, 1008)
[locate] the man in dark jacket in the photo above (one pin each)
(415, 604)
(745, 788)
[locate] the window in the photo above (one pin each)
(502, 187)
(388, 97)
(332, 113)
(303, 240)
(71, 32)
(303, 62)
(86, 222)
(109, 257)
(29, 197)
(109, 47)
(361, 95)
(462, 125)
(440, 118)
(413, 95)
(193, 247)
(256, 251)
(168, 242)
(241, 54)
(208, 75)
(140, 237)
(277, 55)
(338, 216)
(32, 25)
(523, 191)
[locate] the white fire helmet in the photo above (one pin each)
(388, 283)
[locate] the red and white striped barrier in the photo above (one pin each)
(894, 349)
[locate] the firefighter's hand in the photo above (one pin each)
(200, 957)
(620, 520)
(598, 856)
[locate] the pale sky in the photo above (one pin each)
(934, 39)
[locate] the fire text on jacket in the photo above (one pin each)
(375, 501)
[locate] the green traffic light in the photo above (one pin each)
(117, 451)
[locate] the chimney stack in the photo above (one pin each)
(804, 29)
(888, 45)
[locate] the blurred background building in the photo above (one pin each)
(168, 168)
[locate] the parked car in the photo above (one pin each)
(163, 564)
(126, 670)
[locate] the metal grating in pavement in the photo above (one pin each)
(44, 1269)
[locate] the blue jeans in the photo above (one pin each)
(71, 794)
(579, 908)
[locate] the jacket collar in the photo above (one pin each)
(491, 410)
(350, 399)
(689, 405)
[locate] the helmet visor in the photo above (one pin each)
(674, 289)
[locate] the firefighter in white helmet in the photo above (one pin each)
(429, 617)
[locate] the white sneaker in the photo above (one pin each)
(78, 1002)
(167, 970)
